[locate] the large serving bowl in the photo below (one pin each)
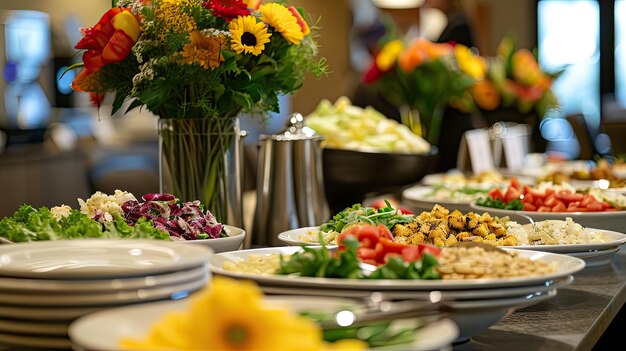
(351, 175)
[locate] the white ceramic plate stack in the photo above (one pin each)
(476, 303)
(45, 285)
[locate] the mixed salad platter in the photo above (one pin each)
(120, 215)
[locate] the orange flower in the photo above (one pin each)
(435, 50)
(204, 50)
(525, 68)
(486, 95)
(413, 56)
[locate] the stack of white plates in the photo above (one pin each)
(45, 285)
(476, 303)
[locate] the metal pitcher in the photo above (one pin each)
(290, 186)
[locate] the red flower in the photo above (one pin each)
(227, 9)
(372, 74)
(109, 41)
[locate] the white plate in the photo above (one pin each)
(566, 265)
(230, 243)
(615, 240)
(596, 258)
(34, 341)
(33, 327)
(417, 196)
(98, 258)
(294, 236)
(103, 330)
(446, 295)
(44, 286)
(454, 178)
(614, 220)
(107, 298)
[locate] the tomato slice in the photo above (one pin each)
(430, 249)
(567, 196)
(496, 193)
(411, 253)
(559, 207)
(392, 246)
(365, 253)
(515, 183)
(529, 207)
(544, 209)
(511, 194)
(606, 204)
(551, 200)
(528, 198)
(595, 207)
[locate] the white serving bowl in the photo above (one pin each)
(230, 243)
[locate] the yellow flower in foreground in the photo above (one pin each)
(280, 18)
(204, 50)
(231, 315)
(248, 35)
(389, 54)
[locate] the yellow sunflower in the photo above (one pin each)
(231, 315)
(283, 21)
(248, 35)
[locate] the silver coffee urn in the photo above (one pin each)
(290, 187)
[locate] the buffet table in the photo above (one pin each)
(578, 318)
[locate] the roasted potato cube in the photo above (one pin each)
(400, 230)
(437, 233)
(440, 211)
(486, 217)
(417, 238)
(456, 222)
(471, 221)
(451, 240)
(481, 230)
(438, 242)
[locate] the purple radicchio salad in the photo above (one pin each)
(182, 220)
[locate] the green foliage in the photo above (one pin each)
(388, 216)
(30, 224)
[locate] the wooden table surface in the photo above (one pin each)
(575, 319)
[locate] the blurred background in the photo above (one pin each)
(56, 147)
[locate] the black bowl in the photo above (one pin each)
(350, 176)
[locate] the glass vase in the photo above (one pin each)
(202, 159)
(425, 122)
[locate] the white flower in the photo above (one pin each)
(101, 205)
(59, 212)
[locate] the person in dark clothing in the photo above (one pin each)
(458, 30)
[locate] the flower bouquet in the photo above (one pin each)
(421, 79)
(515, 79)
(198, 65)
